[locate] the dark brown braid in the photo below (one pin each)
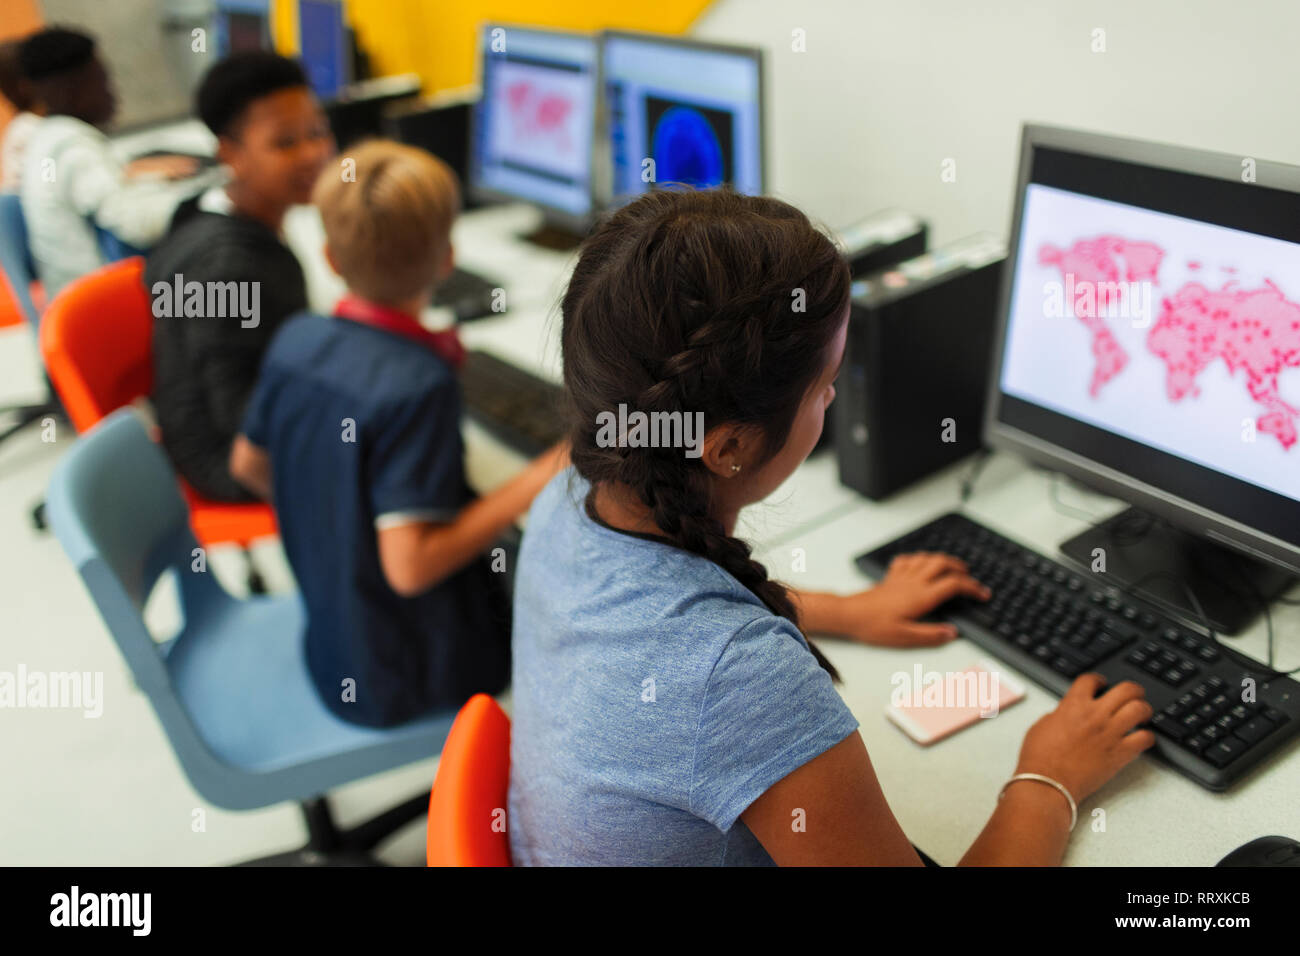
(685, 301)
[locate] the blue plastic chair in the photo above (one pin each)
(231, 689)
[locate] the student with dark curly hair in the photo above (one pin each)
(274, 138)
(73, 186)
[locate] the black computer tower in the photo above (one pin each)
(359, 112)
(444, 130)
(881, 240)
(911, 396)
(871, 244)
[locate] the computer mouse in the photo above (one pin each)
(1265, 851)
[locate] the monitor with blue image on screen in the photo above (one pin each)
(682, 111)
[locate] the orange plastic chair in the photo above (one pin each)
(467, 805)
(97, 343)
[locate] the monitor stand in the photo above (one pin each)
(1153, 559)
(550, 236)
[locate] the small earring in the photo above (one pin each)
(735, 468)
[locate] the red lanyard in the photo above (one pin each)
(446, 344)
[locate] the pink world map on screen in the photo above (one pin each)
(537, 113)
(1252, 331)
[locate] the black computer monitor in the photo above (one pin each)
(682, 111)
(1149, 346)
(534, 123)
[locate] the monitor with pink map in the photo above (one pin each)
(534, 122)
(1151, 336)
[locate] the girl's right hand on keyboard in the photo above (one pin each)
(1089, 737)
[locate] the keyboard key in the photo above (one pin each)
(1255, 730)
(1225, 751)
(1099, 648)
(1227, 723)
(1164, 724)
(1063, 665)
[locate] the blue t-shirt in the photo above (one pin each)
(655, 698)
(363, 430)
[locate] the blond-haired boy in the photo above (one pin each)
(354, 432)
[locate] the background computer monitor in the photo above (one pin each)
(534, 123)
(323, 46)
(1150, 346)
(682, 111)
(242, 25)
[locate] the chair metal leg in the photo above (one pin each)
(28, 415)
(327, 845)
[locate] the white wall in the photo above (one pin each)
(887, 90)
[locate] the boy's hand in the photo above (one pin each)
(914, 585)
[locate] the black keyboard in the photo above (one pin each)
(517, 407)
(1054, 623)
(468, 294)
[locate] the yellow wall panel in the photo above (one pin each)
(437, 38)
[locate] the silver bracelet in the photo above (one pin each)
(1074, 807)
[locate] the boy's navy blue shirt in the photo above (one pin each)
(363, 430)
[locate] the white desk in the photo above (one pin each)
(943, 795)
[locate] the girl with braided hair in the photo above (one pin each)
(668, 708)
